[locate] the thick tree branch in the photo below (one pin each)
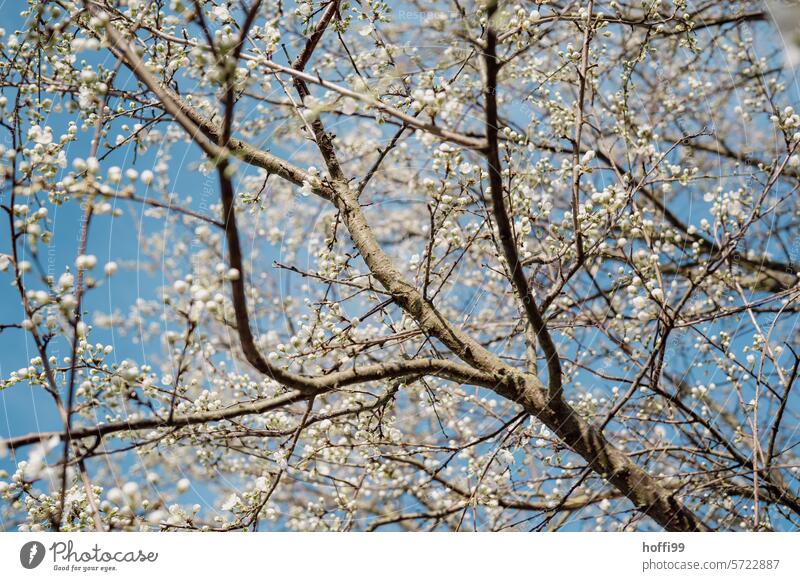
(518, 278)
(311, 387)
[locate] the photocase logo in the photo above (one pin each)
(31, 554)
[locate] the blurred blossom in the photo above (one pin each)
(786, 15)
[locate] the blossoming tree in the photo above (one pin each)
(450, 265)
